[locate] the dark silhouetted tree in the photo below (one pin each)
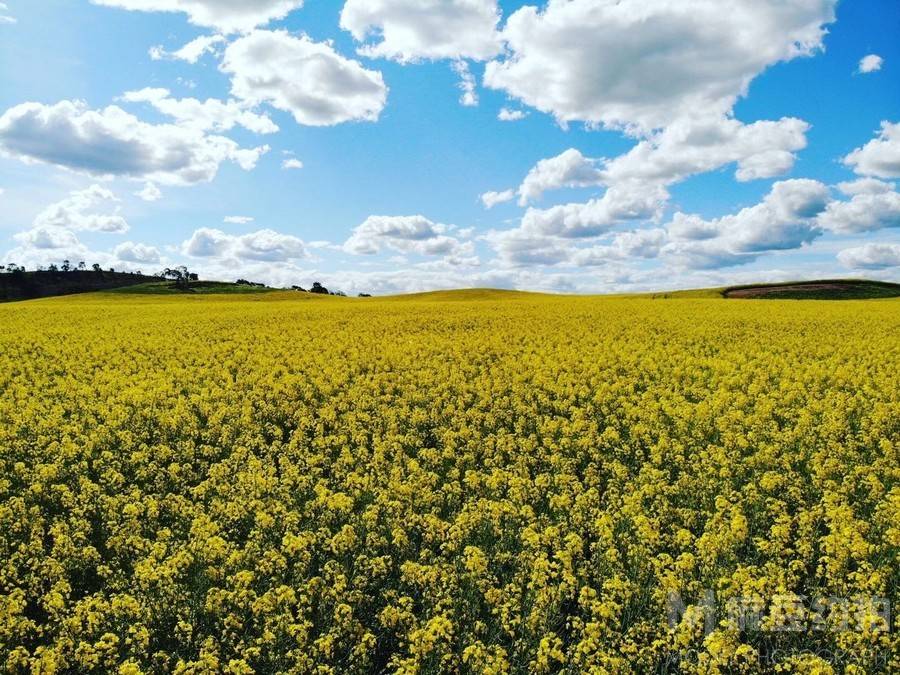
(180, 275)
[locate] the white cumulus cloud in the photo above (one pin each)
(864, 186)
(413, 30)
(522, 248)
(785, 219)
(262, 245)
(624, 247)
(87, 209)
(492, 198)
(688, 147)
(48, 237)
(228, 16)
(149, 193)
(641, 64)
(308, 79)
(763, 149)
(864, 212)
(549, 236)
(870, 63)
(511, 115)
(568, 169)
(132, 252)
(880, 157)
(405, 234)
(620, 203)
(871, 257)
(112, 142)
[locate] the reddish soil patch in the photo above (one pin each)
(762, 291)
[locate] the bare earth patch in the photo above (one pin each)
(817, 290)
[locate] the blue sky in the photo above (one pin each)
(715, 142)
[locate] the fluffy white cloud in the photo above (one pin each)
(637, 180)
(690, 227)
(48, 237)
(79, 211)
(865, 186)
(800, 198)
(511, 115)
(568, 169)
(207, 242)
(263, 245)
(228, 16)
(705, 255)
(521, 248)
(794, 213)
(270, 245)
(871, 257)
(865, 212)
(237, 220)
(192, 52)
(879, 157)
(149, 193)
(111, 142)
(870, 63)
(412, 30)
(405, 234)
(491, 199)
(549, 236)
(130, 251)
(625, 246)
(620, 203)
(209, 115)
(308, 79)
(760, 150)
(785, 219)
(292, 163)
(642, 64)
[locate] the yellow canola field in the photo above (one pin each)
(455, 483)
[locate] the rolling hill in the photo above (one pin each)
(44, 284)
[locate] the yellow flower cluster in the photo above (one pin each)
(284, 484)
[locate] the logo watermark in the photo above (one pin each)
(784, 613)
(785, 626)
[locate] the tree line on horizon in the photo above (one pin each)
(181, 276)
